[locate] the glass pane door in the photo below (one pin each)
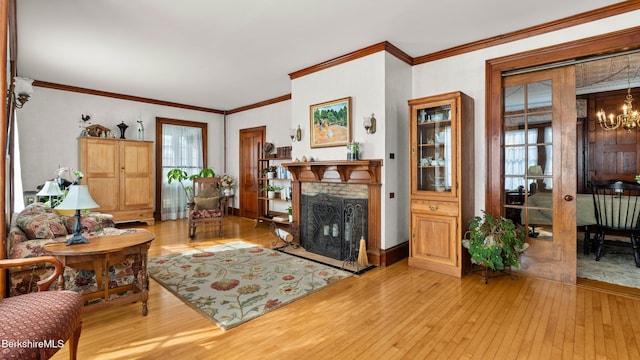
(539, 167)
(528, 156)
(433, 156)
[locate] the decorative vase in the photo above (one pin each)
(140, 129)
(271, 194)
(122, 126)
(290, 218)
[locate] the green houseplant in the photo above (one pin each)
(271, 190)
(290, 212)
(495, 241)
(181, 176)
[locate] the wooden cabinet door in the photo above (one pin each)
(135, 175)
(433, 243)
(101, 177)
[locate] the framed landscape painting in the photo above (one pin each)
(330, 123)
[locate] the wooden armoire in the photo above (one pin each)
(119, 175)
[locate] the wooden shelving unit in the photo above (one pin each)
(271, 209)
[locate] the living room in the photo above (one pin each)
(378, 76)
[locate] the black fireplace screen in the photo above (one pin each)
(332, 226)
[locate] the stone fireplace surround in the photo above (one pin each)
(367, 172)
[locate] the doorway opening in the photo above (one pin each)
(497, 196)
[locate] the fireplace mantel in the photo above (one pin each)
(345, 171)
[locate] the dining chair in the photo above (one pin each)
(617, 211)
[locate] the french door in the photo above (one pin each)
(538, 167)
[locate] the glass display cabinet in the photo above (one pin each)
(442, 173)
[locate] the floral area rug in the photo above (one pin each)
(238, 281)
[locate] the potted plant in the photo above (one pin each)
(269, 172)
(495, 241)
(290, 212)
(180, 176)
(271, 190)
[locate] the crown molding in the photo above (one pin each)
(62, 87)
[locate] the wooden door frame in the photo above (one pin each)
(603, 44)
(158, 154)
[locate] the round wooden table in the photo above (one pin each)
(99, 254)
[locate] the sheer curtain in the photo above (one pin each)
(182, 149)
(517, 159)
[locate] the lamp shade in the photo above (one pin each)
(78, 198)
(535, 170)
(50, 188)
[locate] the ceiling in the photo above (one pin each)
(223, 54)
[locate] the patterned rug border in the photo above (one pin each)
(234, 246)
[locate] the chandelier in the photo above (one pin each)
(628, 120)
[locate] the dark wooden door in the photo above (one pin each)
(251, 141)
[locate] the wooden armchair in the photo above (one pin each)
(208, 204)
(36, 325)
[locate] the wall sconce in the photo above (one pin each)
(22, 89)
(370, 124)
(295, 134)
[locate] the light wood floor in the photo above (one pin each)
(396, 312)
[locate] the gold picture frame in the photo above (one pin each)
(330, 123)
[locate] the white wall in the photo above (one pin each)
(277, 119)
(49, 127)
(466, 73)
(363, 80)
(395, 127)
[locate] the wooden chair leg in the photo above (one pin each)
(73, 342)
(636, 253)
(600, 243)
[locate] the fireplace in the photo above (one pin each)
(331, 224)
(336, 203)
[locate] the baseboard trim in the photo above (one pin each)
(394, 254)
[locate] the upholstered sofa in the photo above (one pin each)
(38, 225)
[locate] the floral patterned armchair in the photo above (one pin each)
(208, 204)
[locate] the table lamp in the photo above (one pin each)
(77, 199)
(50, 189)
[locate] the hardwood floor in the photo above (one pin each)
(398, 312)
